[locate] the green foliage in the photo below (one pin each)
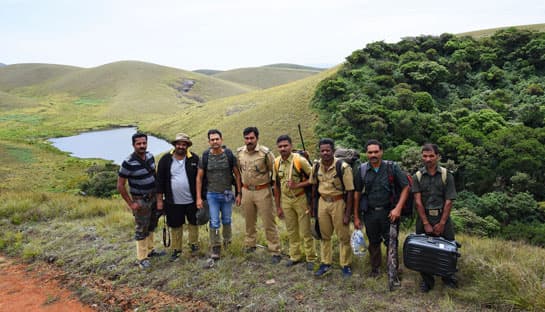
(532, 233)
(469, 222)
(102, 181)
(481, 100)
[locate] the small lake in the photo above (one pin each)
(114, 144)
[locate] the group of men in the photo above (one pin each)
(185, 183)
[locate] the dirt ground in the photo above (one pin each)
(23, 290)
(42, 287)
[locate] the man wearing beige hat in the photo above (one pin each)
(176, 192)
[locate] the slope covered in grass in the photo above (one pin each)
(125, 89)
(477, 34)
(21, 75)
(267, 76)
(274, 111)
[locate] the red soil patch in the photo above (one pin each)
(42, 287)
(23, 290)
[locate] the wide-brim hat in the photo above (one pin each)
(182, 137)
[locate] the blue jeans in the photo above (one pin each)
(218, 203)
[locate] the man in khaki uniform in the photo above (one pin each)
(334, 185)
(256, 166)
(291, 173)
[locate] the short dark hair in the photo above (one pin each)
(373, 142)
(214, 131)
(327, 141)
(430, 147)
(139, 135)
(250, 130)
(283, 137)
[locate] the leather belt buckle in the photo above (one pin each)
(379, 208)
(434, 212)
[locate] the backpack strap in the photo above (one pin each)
(419, 176)
(444, 173)
(144, 164)
(363, 173)
(277, 164)
(340, 171)
(390, 170)
(228, 152)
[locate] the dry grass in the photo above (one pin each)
(489, 32)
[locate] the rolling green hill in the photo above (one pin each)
(21, 75)
(127, 89)
(274, 111)
(489, 32)
(10, 101)
(267, 76)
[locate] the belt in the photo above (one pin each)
(377, 208)
(295, 195)
(145, 197)
(256, 187)
(434, 212)
(331, 199)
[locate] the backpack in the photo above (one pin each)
(338, 168)
(231, 159)
(349, 156)
(297, 167)
(407, 209)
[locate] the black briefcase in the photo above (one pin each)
(433, 255)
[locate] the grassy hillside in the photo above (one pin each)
(91, 240)
(267, 76)
(9, 101)
(21, 75)
(294, 66)
(43, 220)
(274, 111)
(489, 32)
(120, 93)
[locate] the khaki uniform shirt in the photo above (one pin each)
(330, 184)
(256, 167)
(433, 191)
(286, 167)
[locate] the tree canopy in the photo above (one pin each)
(480, 100)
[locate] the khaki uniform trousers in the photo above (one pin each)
(298, 227)
(260, 202)
(177, 235)
(330, 216)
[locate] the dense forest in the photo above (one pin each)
(482, 101)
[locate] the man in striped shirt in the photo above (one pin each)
(139, 170)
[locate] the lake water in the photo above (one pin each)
(114, 144)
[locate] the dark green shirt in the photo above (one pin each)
(218, 174)
(377, 187)
(433, 191)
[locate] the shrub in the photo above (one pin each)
(102, 181)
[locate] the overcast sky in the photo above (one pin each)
(227, 34)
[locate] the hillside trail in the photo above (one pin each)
(41, 287)
(23, 290)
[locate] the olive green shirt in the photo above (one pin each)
(433, 191)
(377, 186)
